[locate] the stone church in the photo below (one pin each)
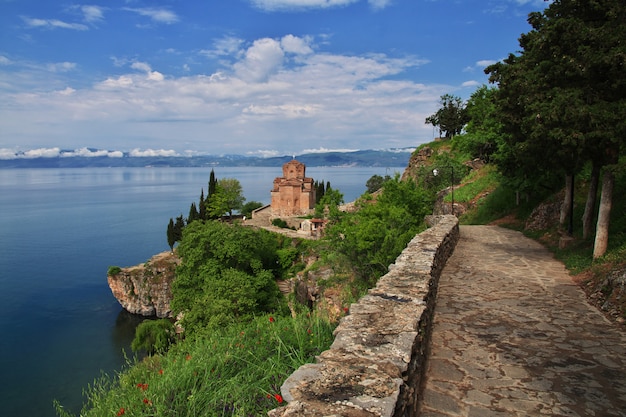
(293, 194)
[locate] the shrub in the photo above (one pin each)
(114, 270)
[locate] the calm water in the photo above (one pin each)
(60, 230)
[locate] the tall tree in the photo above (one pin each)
(563, 98)
(451, 117)
(171, 236)
(228, 196)
(202, 206)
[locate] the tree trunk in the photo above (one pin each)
(590, 206)
(604, 215)
(567, 200)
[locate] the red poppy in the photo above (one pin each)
(160, 371)
(188, 357)
(121, 412)
(279, 398)
(346, 309)
(271, 319)
(142, 386)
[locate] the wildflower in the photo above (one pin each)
(121, 412)
(271, 319)
(346, 309)
(279, 398)
(143, 387)
(188, 357)
(160, 371)
(147, 401)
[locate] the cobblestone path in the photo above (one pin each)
(514, 336)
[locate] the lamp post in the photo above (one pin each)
(435, 173)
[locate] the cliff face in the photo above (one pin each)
(145, 289)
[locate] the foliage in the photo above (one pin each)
(375, 183)
(228, 197)
(328, 206)
(249, 207)
(153, 336)
(451, 117)
(280, 223)
(171, 237)
(371, 238)
(236, 370)
(483, 130)
(227, 274)
(113, 270)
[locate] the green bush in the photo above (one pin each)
(114, 270)
(153, 336)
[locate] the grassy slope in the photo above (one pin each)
(487, 201)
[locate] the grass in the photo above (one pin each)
(234, 372)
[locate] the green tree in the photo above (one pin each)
(193, 213)
(227, 274)
(561, 100)
(375, 183)
(228, 197)
(202, 207)
(328, 206)
(373, 237)
(249, 207)
(153, 336)
(451, 117)
(171, 235)
(484, 129)
(178, 228)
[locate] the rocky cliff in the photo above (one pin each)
(145, 289)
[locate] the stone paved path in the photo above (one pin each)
(514, 336)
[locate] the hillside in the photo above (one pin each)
(482, 197)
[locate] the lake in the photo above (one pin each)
(60, 230)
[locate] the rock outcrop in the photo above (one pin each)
(145, 289)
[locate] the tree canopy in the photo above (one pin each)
(562, 99)
(450, 118)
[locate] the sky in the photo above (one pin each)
(248, 77)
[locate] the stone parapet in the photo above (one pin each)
(375, 364)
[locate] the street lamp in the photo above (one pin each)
(435, 173)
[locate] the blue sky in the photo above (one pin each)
(262, 77)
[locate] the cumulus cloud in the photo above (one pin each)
(261, 97)
(262, 59)
(42, 153)
(52, 24)
(156, 15)
(89, 153)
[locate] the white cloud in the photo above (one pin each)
(379, 4)
(52, 24)
(326, 150)
(263, 98)
(485, 63)
(261, 60)
(61, 66)
(295, 45)
(92, 13)
(152, 152)
(226, 46)
(471, 83)
(272, 5)
(4, 60)
(88, 153)
(42, 153)
(157, 15)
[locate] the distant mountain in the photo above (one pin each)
(366, 158)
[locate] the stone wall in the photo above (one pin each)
(375, 365)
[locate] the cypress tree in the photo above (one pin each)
(171, 238)
(202, 205)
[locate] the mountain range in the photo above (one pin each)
(362, 158)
